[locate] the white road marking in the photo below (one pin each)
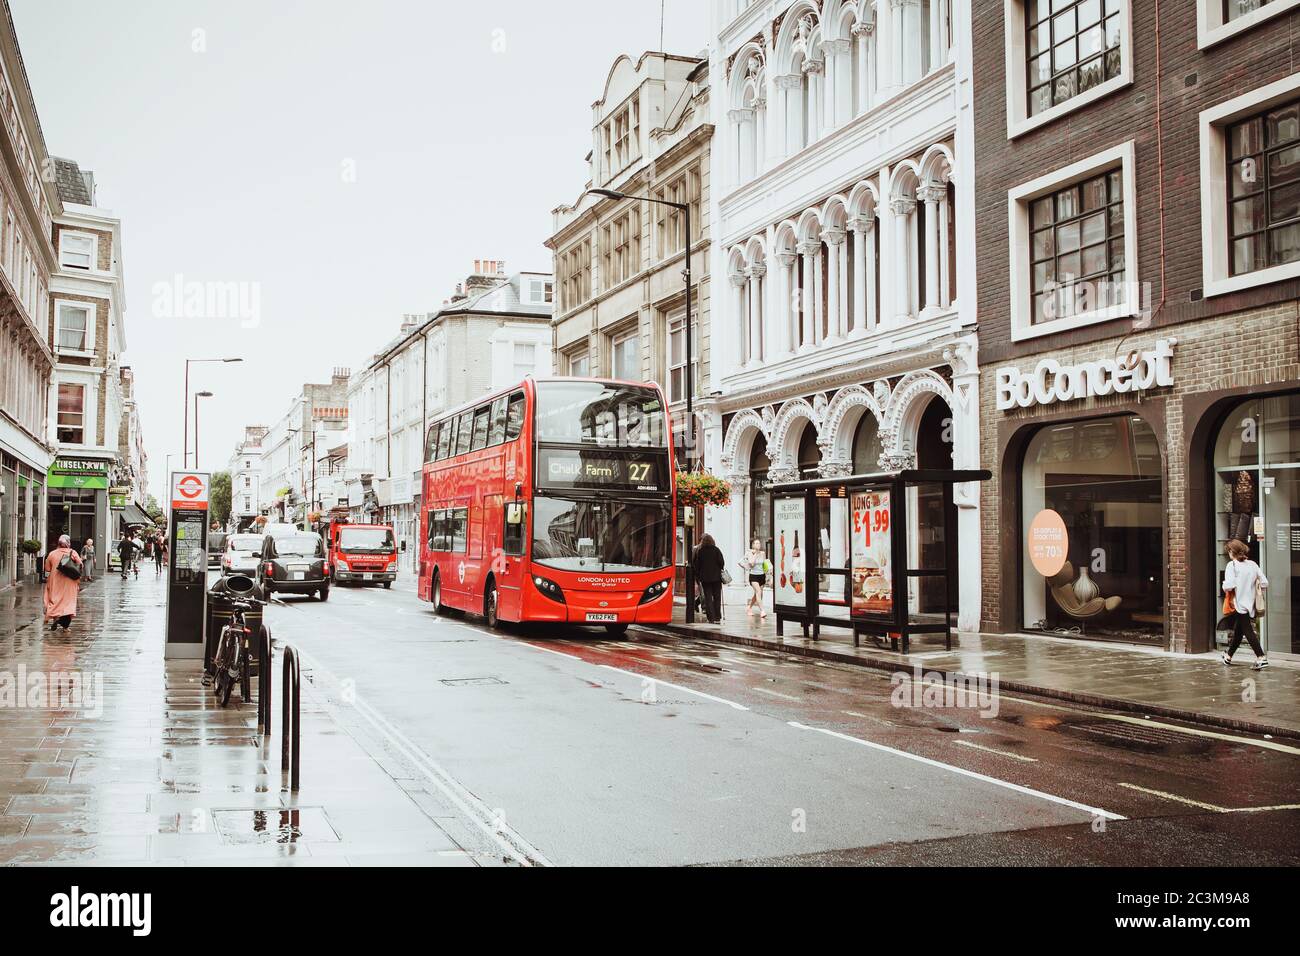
(478, 813)
(685, 690)
(773, 693)
(1173, 796)
(641, 677)
(1208, 806)
(1028, 791)
(1000, 753)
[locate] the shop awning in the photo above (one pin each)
(133, 515)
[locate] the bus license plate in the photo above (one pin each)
(602, 618)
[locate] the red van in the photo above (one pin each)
(363, 554)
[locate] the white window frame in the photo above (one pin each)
(90, 237)
(616, 339)
(1018, 202)
(92, 315)
(1212, 29)
(583, 354)
(674, 321)
(87, 425)
(1019, 121)
(1216, 277)
(515, 346)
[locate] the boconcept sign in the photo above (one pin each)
(1051, 382)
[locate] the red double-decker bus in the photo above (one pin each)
(552, 501)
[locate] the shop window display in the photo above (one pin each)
(1092, 519)
(1257, 501)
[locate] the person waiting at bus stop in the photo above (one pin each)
(708, 564)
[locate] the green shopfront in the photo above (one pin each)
(79, 505)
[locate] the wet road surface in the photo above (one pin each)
(654, 749)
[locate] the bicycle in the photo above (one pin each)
(231, 662)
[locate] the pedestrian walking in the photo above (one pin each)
(1243, 585)
(62, 584)
(88, 558)
(709, 566)
(126, 551)
(757, 568)
(159, 554)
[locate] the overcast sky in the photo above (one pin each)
(345, 161)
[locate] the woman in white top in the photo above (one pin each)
(757, 566)
(1241, 581)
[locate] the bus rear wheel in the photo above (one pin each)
(435, 594)
(490, 608)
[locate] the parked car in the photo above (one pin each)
(294, 564)
(363, 554)
(243, 551)
(216, 547)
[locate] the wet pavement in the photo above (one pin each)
(432, 741)
(116, 757)
(659, 749)
(1119, 675)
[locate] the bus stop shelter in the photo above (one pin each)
(875, 554)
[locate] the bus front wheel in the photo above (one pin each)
(435, 594)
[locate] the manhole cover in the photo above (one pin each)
(299, 825)
(471, 681)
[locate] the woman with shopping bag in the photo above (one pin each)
(1243, 586)
(63, 568)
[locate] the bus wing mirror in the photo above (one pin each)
(514, 513)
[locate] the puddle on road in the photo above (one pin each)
(252, 827)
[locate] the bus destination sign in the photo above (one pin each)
(573, 468)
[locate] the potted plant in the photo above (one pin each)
(702, 489)
(32, 548)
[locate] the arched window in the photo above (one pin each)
(760, 508)
(810, 455)
(867, 449)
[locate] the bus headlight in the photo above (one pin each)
(549, 588)
(656, 590)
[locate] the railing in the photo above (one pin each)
(290, 705)
(290, 736)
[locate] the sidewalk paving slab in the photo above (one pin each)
(1192, 687)
(159, 774)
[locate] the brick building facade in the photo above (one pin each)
(1136, 184)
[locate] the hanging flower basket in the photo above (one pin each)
(700, 489)
(259, 520)
(314, 517)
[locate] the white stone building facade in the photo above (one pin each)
(844, 227)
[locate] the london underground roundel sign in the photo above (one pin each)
(190, 490)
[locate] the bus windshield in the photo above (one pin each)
(601, 535)
(366, 540)
(592, 413)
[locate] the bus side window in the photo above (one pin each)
(515, 416)
(460, 530)
(445, 438)
(498, 433)
(438, 531)
(481, 417)
(431, 442)
(464, 429)
(512, 541)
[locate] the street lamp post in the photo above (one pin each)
(185, 404)
(197, 396)
(689, 377)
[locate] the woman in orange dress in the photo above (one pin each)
(60, 590)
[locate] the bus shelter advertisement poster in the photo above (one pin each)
(873, 584)
(787, 528)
